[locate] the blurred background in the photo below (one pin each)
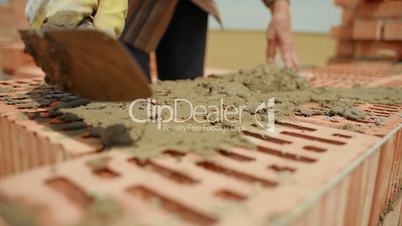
(241, 43)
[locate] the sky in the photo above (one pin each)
(308, 15)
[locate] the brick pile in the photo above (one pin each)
(13, 60)
(370, 29)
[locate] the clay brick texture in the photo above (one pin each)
(27, 142)
(313, 171)
(374, 28)
(303, 169)
(374, 74)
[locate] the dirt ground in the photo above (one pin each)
(245, 49)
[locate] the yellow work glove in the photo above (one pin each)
(106, 15)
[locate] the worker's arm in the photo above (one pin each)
(106, 15)
(279, 34)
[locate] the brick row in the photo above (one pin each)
(38, 151)
(389, 175)
(373, 28)
(279, 183)
(29, 143)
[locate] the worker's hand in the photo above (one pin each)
(279, 35)
(106, 15)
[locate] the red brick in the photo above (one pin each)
(386, 9)
(379, 50)
(348, 3)
(342, 32)
(367, 29)
(13, 56)
(18, 8)
(348, 16)
(393, 31)
(345, 49)
(307, 183)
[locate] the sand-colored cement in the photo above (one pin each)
(16, 214)
(247, 87)
(103, 211)
(6, 90)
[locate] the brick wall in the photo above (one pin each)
(370, 29)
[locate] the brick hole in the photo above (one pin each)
(229, 195)
(21, 82)
(382, 114)
(382, 109)
(342, 135)
(86, 135)
(174, 154)
(23, 107)
(387, 113)
(266, 138)
(313, 138)
(387, 106)
(281, 169)
(293, 126)
(185, 213)
(360, 121)
(21, 98)
(314, 149)
(213, 167)
(105, 173)
(289, 156)
(235, 156)
(170, 174)
(70, 191)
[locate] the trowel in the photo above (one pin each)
(87, 63)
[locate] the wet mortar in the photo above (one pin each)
(248, 88)
(111, 123)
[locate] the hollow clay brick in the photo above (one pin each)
(342, 32)
(27, 144)
(285, 195)
(364, 29)
(13, 56)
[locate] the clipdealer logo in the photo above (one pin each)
(163, 114)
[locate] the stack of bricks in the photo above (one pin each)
(13, 60)
(370, 29)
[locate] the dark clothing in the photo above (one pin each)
(148, 20)
(181, 50)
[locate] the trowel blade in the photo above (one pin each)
(87, 63)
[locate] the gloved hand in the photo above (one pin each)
(106, 15)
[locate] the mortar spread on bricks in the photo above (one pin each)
(250, 88)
